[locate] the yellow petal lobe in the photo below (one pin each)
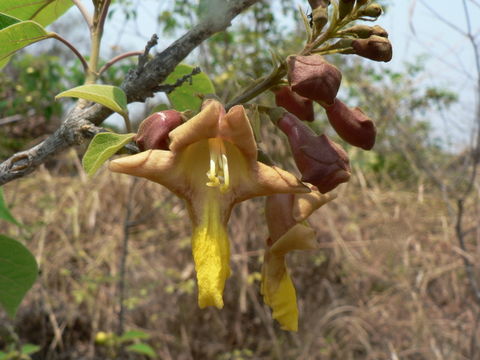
(211, 253)
(284, 304)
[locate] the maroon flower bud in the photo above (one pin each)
(352, 125)
(322, 162)
(153, 131)
(375, 48)
(294, 103)
(314, 78)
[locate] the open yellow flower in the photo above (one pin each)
(285, 214)
(212, 164)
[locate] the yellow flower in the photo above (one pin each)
(212, 164)
(284, 213)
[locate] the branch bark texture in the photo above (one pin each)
(139, 84)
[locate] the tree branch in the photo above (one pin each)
(139, 84)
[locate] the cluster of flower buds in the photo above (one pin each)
(322, 162)
(153, 131)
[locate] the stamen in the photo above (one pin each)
(218, 173)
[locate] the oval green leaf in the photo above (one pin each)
(5, 214)
(101, 148)
(18, 272)
(110, 96)
(43, 12)
(143, 349)
(186, 97)
(19, 35)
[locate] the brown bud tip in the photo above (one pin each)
(294, 103)
(379, 31)
(352, 125)
(314, 4)
(314, 78)
(373, 11)
(320, 17)
(322, 162)
(375, 48)
(153, 131)
(365, 31)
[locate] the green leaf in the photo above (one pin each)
(19, 35)
(103, 146)
(186, 96)
(143, 349)
(43, 12)
(18, 272)
(28, 349)
(133, 335)
(110, 96)
(7, 20)
(5, 214)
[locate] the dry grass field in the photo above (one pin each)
(387, 281)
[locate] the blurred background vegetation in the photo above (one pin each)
(388, 282)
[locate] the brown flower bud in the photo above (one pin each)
(321, 162)
(373, 11)
(318, 3)
(294, 103)
(365, 31)
(314, 78)
(345, 7)
(153, 131)
(375, 48)
(352, 125)
(319, 18)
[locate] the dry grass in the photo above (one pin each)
(387, 283)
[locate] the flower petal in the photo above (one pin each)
(268, 180)
(211, 252)
(283, 303)
(305, 204)
(204, 125)
(155, 165)
(299, 237)
(236, 128)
